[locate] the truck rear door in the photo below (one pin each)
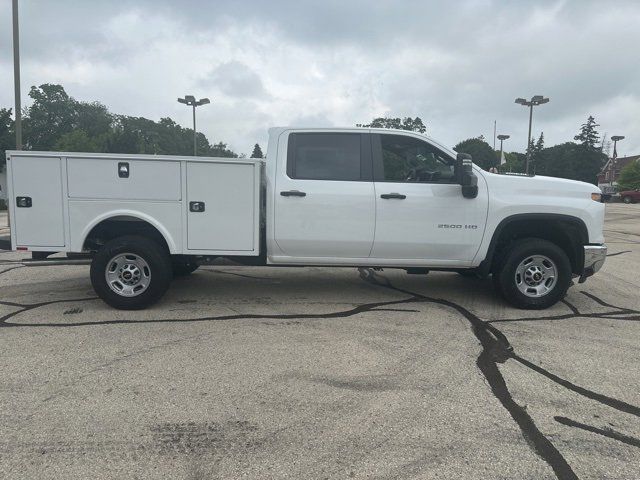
(324, 197)
(37, 201)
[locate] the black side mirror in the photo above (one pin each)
(465, 175)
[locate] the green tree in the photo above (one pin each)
(588, 135)
(257, 152)
(481, 152)
(7, 135)
(570, 160)
(220, 150)
(515, 162)
(407, 123)
(79, 141)
(51, 115)
(534, 151)
(57, 121)
(629, 177)
(93, 118)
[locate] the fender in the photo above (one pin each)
(485, 266)
(127, 213)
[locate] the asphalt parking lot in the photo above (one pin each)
(308, 373)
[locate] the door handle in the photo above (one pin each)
(387, 196)
(293, 193)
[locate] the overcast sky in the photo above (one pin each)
(458, 65)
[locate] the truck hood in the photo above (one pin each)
(541, 185)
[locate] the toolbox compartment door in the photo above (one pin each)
(38, 220)
(123, 179)
(222, 206)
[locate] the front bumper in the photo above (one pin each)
(594, 257)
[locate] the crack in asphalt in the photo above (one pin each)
(310, 316)
(605, 432)
(30, 306)
(496, 349)
(10, 268)
(618, 253)
(616, 313)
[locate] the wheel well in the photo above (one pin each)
(568, 233)
(119, 226)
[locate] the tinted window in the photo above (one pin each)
(408, 159)
(324, 156)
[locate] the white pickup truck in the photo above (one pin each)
(324, 197)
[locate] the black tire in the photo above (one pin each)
(507, 283)
(182, 269)
(627, 200)
(158, 271)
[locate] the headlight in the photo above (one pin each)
(596, 197)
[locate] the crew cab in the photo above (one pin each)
(349, 197)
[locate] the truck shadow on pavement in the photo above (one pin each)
(496, 349)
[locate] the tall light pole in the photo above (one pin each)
(191, 101)
(615, 139)
(535, 100)
(502, 138)
(16, 75)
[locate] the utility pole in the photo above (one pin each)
(192, 102)
(502, 138)
(495, 124)
(616, 139)
(535, 100)
(16, 75)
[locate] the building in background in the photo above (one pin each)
(608, 177)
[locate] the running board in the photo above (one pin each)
(54, 261)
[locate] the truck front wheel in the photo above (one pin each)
(131, 272)
(533, 274)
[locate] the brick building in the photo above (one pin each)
(608, 177)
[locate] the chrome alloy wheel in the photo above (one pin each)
(128, 274)
(536, 276)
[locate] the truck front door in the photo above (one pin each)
(324, 196)
(420, 211)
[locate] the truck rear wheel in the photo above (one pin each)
(533, 274)
(131, 272)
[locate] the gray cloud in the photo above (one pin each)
(235, 79)
(458, 65)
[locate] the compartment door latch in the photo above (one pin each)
(123, 169)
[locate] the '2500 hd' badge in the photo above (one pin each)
(460, 226)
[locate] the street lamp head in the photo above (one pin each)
(521, 101)
(182, 100)
(543, 101)
(202, 101)
(503, 137)
(190, 99)
(537, 98)
(617, 138)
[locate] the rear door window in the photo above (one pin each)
(328, 156)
